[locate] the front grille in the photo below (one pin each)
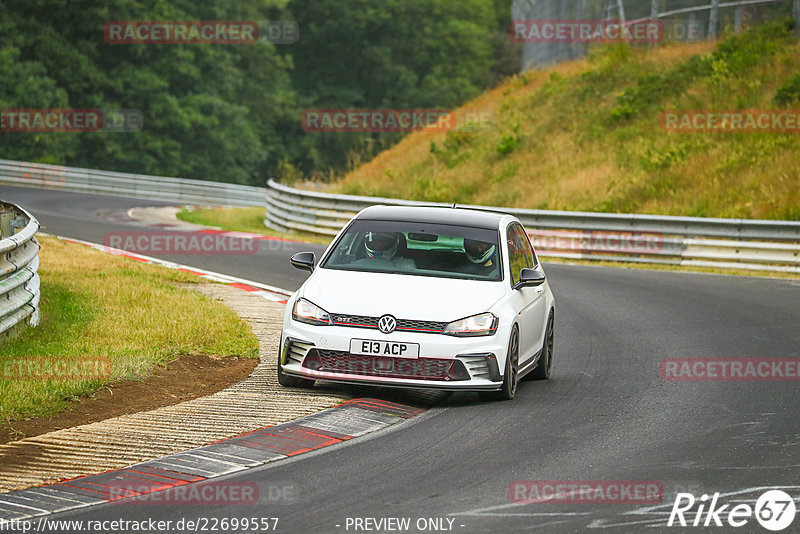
(360, 321)
(341, 362)
(421, 326)
(403, 325)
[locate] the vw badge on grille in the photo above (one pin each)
(387, 324)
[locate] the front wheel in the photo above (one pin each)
(511, 375)
(542, 371)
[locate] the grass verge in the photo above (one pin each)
(242, 220)
(95, 305)
(674, 268)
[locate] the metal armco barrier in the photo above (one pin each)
(19, 264)
(179, 190)
(688, 241)
(696, 241)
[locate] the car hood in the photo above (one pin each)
(403, 296)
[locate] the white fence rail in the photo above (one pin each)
(19, 264)
(723, 243)
(179, 190)
(681, 21)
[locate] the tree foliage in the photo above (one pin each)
(232, 112)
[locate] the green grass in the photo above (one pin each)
(99, 306)
(231, 219)
(675, 268)
(587, 136)
(241, 220)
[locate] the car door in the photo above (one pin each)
(529, 302)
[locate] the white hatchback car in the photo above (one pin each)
(447, 298)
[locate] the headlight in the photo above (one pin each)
(307, 312)
(484, 324)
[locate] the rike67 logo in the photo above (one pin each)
(774, 510)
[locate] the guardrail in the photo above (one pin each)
(19, 264)
(688, 241)
(722, 243)
(179, 190)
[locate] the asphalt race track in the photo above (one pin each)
(92, 217)
(607, 415)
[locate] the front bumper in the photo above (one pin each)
(445, 362)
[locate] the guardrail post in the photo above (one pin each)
(737, 19)
(796, 13)
(6, 217)
(713, 20)
(621, 12)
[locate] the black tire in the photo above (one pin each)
(290, 381)
(511, 374)
(542, 370)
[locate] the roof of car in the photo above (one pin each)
(453, 216)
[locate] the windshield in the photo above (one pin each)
(414, 248)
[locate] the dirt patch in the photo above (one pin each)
(188, 377)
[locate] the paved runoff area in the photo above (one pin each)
(116, 443)
(329, 427)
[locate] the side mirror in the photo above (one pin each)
(304, 261)
(530, 278)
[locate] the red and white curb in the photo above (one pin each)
(140, 483)
(272, 293)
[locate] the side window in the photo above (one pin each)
(532, 260)
(518, 247)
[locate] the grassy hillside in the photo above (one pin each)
(587, 136)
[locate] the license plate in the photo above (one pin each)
(389, 349)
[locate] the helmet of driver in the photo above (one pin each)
(381, 245)
(478, 251)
